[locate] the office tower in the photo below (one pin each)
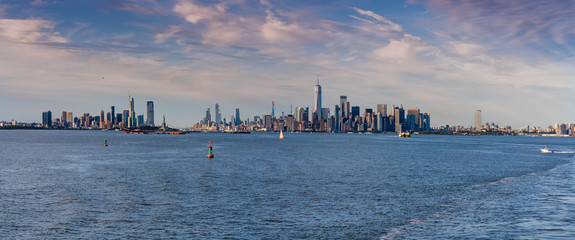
(132, 114)
(426, 122)
(108, 117)
(416, 118)
(150, 113)
(63, 119)
(238, 120)
(113, 112)
(218, 116)
(101, 124)
(140, 121)
(354, 112)
(125, 118)
(477, 119)
(382, 108)
(273, 109)
(399, 115)
(47, 119)
(70, 118)
(317, 101)
(337, 115)
(118, 118)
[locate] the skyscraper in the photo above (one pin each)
(342, 105)
(150, 113)
(47, 119)
(238, 119)
(218, 116)
(102, 119)
(132, 114)
(113, 115)
(317, 100)
(208, 117)
(477, 119)
(382, 108)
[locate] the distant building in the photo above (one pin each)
(238, 120)
(208, 117)
(317, 101)
(132, 114)
(150, 113)
(113, 109)
(140, 120)
(382, 108)
(47, 119)
(218, 116)
(478, 119)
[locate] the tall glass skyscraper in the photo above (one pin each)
(317, 100)
(132, 117)
(150, 113)
(218, 116)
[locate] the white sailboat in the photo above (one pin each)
(281, 134)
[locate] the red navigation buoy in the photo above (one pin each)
(210, 153)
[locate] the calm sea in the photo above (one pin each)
(66, 184)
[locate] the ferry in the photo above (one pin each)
(404, 135)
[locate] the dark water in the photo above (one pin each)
(66, 184)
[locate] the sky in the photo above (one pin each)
(513, 59)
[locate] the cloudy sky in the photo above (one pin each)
(512, 59)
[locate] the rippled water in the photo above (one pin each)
(66, 184)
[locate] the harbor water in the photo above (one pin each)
(67, 185)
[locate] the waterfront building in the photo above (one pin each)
(399, 115)
(140, 121)
(102, 119)
(113, 113)
(415, 124)
(125, 117)
(478, 119)
(47, 119)
(317, 101)
(132, 114)
(150, 113)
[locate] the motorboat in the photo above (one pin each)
(546, 150)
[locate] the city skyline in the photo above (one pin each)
(507, 58)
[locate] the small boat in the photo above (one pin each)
(281, 134)
(404, 135)
(105, 142)
(546, 150)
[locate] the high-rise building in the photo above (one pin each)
(113, 108)
(415, 125)
(150, 113)
(317, 100)
(140, 120)
(125, 118)
(208, 117)
(344, 105)
(132, 114)
(478, 119)
(238, 120)
(273, 109)
(47, 119)
(102, 119)
(218, 116)
(382, 108)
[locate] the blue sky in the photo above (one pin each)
(511, 59)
